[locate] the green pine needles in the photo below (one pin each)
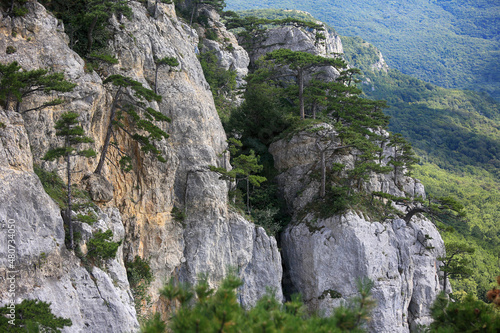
(16, 84)
(130, 114)
(31, 316)
(202, 309)
(67, 127)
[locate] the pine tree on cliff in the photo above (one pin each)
(245, 168)
(218, 5)
(403, 157)
(97, 14)
(456, 263)
(129, 114)
(73, 134)
(16, 84)
(301, 63)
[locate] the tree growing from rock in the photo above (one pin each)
(218, 5)
(456, 263)
(67, 127)
(16, 84)
(165, 61)
(403, 157)
(129, 113)
(245, 168)
(301, 63)
(97, 14)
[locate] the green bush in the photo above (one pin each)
(206, 310)
(466, 316)
(101, 247)
(138, 271)
(10, 49)
(32, 316)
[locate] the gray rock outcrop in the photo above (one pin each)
(324, 257)
(95, 301)
(211, 239)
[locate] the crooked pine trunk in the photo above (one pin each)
(248, 195)
(90, 35)
(323, 174)
(105, 147)
(68, 209)
(300, 78)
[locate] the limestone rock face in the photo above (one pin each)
(323, 257)
(298, 157)
(226, 48)
(327, 255)
(138, 208)
(95, 301)
(298, 39)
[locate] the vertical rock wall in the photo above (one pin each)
(211, 239)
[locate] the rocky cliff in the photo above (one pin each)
(324, 256)
(211, 237)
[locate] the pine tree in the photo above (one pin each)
(97, 14)
(73, 134)
(301, 63)
(456, 263)
(466, 316)
(218, 5)
(245, 167)
(32, 316)
(201, 309)
(17, 84)
(403, 157)
(127, 99)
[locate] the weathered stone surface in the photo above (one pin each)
(100, 189)
(297, 157)
(331, 254)
(97, 302)
(230, 54)
(298, 39)
(218, 241)
(145, 197)
(328, 255)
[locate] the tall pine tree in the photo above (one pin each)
(67, 127)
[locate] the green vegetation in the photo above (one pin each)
(123, 116)
(449, 43)
(245, 168)
(204, 309)
(73, 134)
(14, 8)
(456, 133)
(469, 315)
(55, 187)
(31, 316)
(222, 83)
(140, 277)
(456, 263)
(17, 84)
(86, 21)
(101, 247)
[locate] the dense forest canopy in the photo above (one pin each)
(453, 44)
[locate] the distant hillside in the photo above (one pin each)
(451, 43)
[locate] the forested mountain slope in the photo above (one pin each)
(456, 134)
(453, 44)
